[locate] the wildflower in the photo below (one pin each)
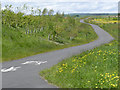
(84, 62)
(113, 74)
(113, 85)
(110, 76)
(73, 60)
(101, 75)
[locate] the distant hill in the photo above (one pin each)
(90, 14)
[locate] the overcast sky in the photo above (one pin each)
(69, 6)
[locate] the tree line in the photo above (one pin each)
(39, 21)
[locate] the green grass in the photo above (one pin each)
(16, 44)
(97, 68)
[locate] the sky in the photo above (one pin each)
(68, 6)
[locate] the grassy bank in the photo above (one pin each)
(97, 68)
(29, 34)
(16, 44)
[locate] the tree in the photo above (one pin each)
(39, 11)
(51, 11)
(63, 14)
(32, 11)
(44, 12)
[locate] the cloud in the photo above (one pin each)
(71, 7)
(60, 0)
(3, 1)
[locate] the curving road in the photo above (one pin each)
(22, 74)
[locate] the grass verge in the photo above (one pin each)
(95, 68)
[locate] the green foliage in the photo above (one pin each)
(25, 35)
(54, 25)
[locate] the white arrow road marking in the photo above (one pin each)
(27, 62)
(34, 62)
(10, 69)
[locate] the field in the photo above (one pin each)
(97, 68)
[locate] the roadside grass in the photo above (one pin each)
(97, 68)
(16, 44)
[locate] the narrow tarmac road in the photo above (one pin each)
(22, 74)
